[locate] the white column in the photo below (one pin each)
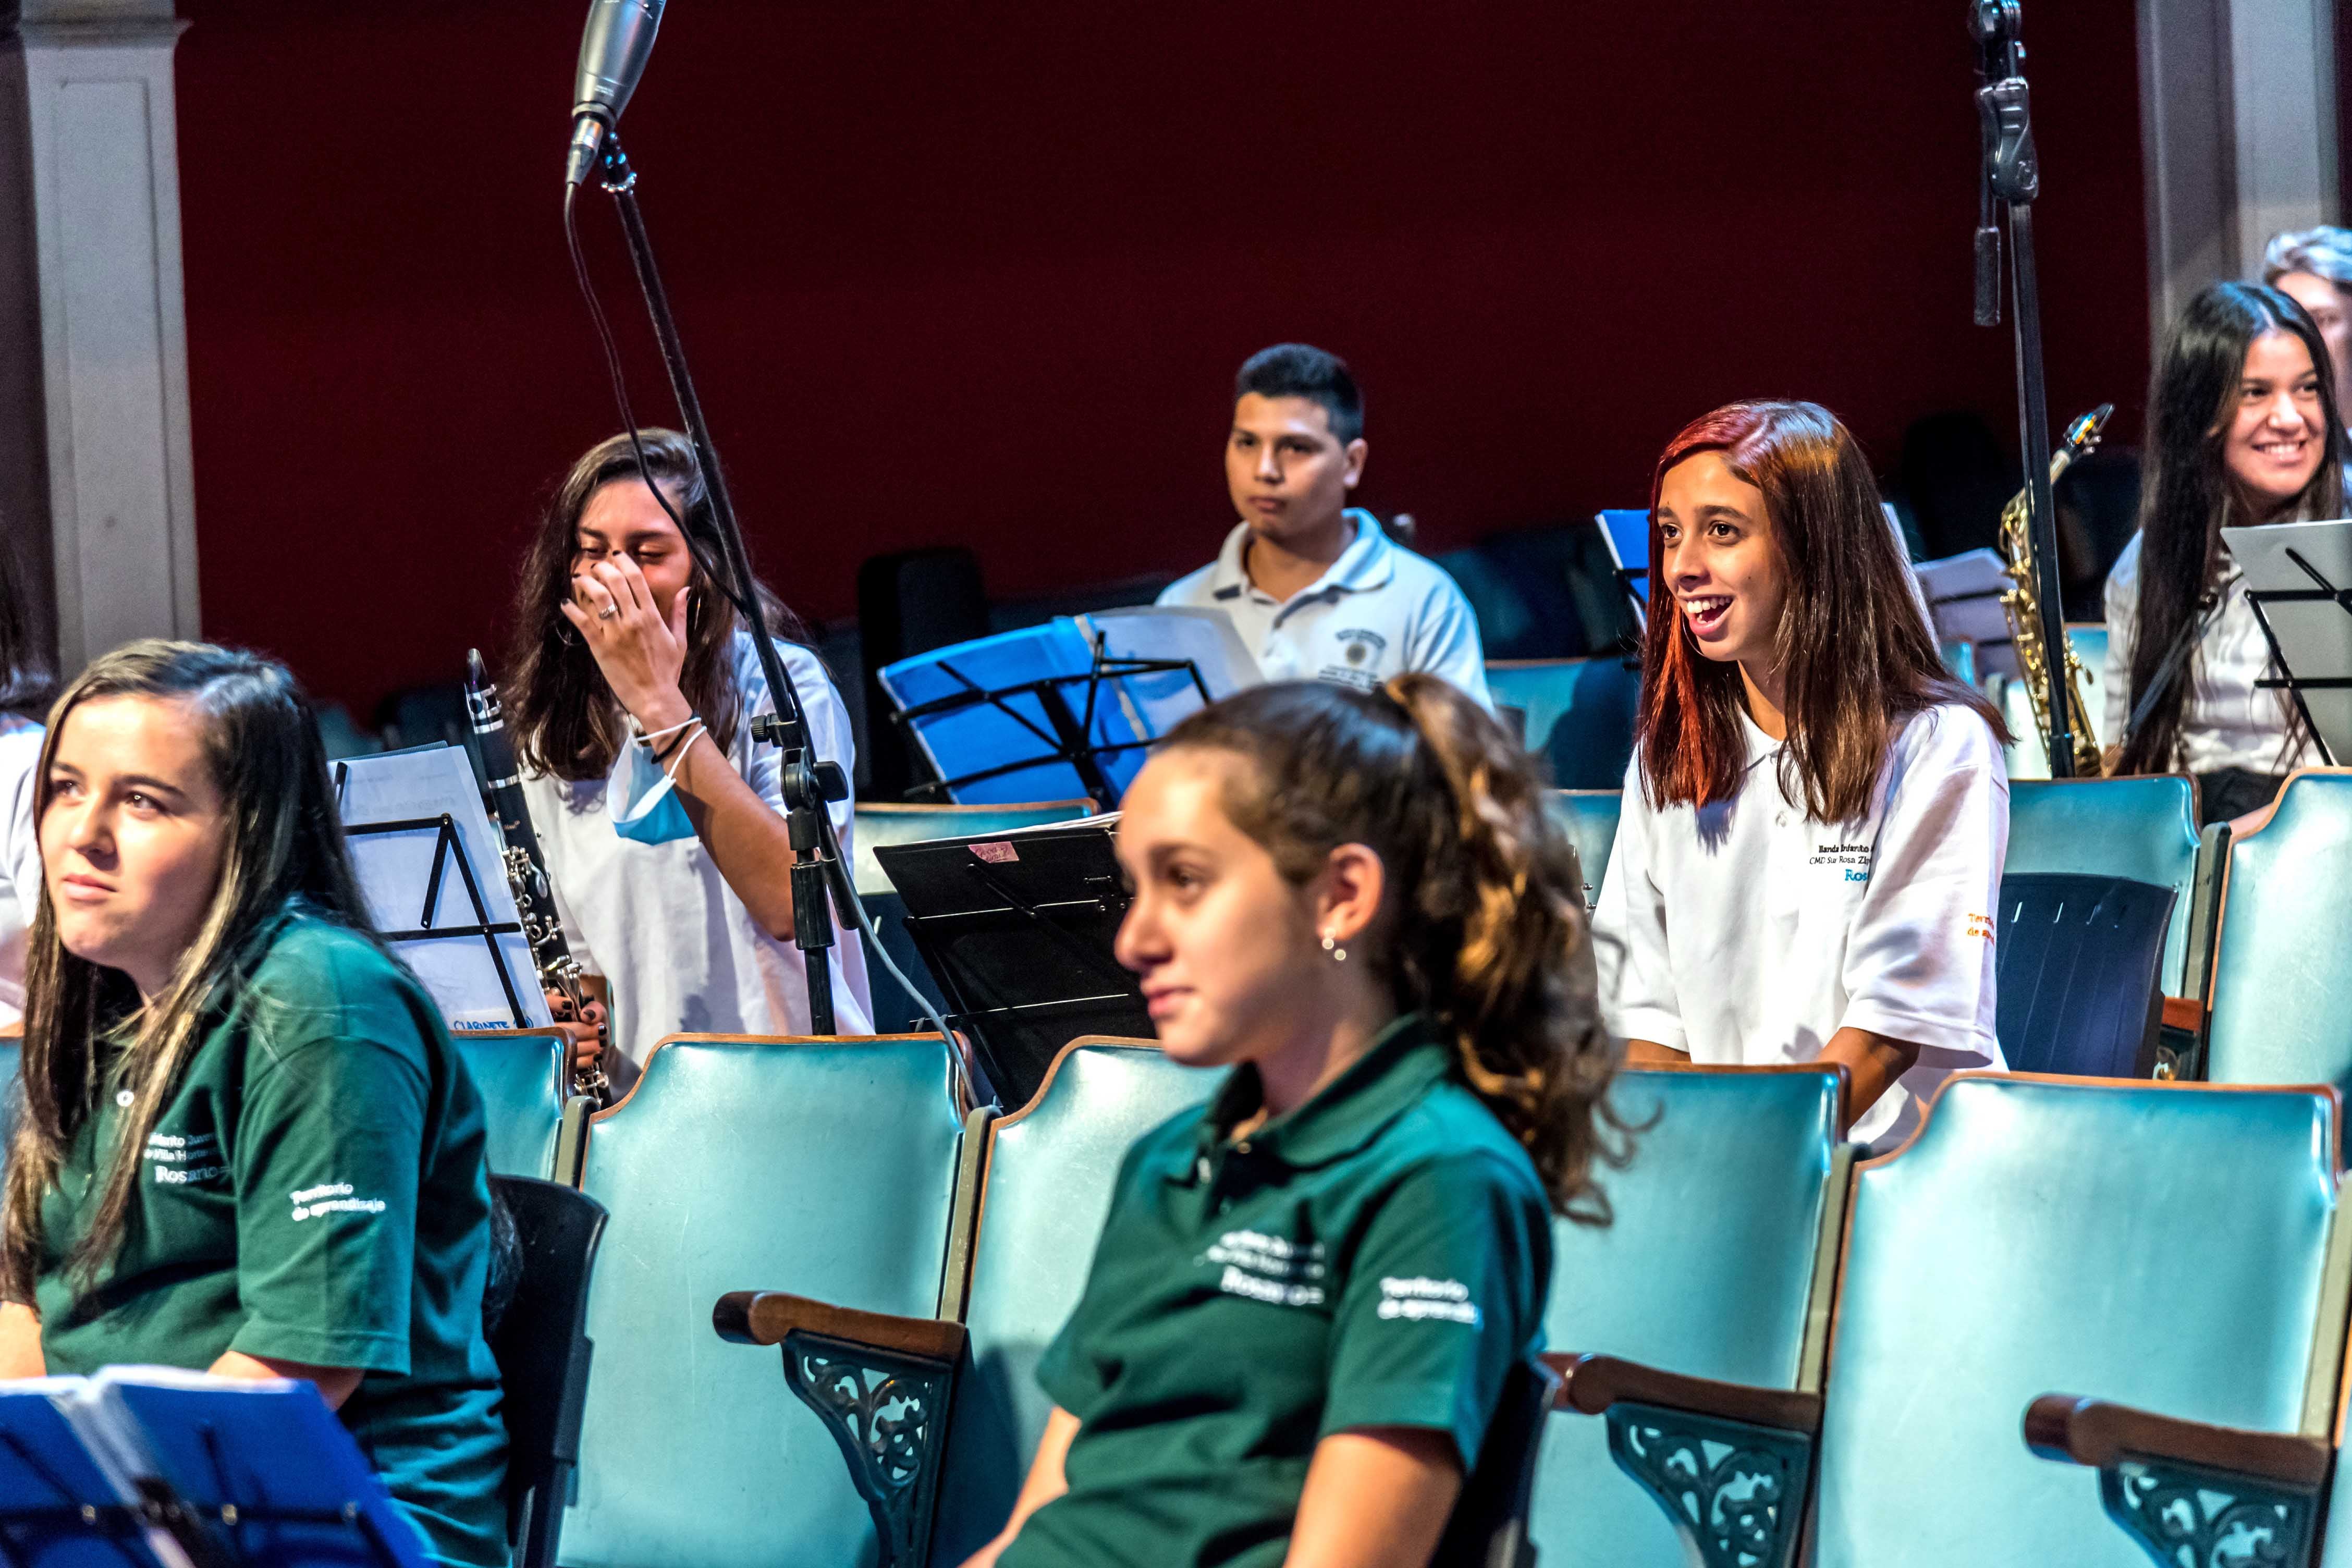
(103, 148)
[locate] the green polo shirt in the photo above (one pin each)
(1377, 1258)
(315, 1192)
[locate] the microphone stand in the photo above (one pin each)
(2011, 179)
(809, 781)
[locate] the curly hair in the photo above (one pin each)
(1485, 930)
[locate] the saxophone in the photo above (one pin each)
(2024, 611)
(526, 867)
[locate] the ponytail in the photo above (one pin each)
(1483, 933)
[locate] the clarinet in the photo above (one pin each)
(526, 867)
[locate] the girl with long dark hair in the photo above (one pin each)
(1815, 814)
(245, 1145)
(25, 690)
(2242, 429)
(630, 693)
(1355, 901)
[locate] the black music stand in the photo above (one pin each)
(1017, 929)
(449, 848)
(2264, 556)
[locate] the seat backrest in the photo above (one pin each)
(543, 1350)
(2281, 994)
(1708, 1269)
(2164, 1246)
(826, 1168)
(521, 1076)
(2143, 828)
(1580, 714)
(1051, 1168)
(2075, 965)
(1589, 818)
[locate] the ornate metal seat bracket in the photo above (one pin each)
(1734, 1490)
(2186, 1516)
(888, 1413)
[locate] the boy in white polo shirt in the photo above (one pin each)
(1318, 591)
(1809, 859)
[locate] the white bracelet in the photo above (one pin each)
(646, 738)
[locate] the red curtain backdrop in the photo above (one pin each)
(982, 273)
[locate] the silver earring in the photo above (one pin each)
(1331, 945)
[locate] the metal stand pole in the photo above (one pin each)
(2012, 179)
(809, 782)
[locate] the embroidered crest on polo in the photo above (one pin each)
(184, 1159)
(1268, 1268)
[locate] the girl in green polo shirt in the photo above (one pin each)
(245, 1144)
(1305, 1302)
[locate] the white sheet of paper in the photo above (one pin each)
(1157, 703)
(1963, 595)
(2315, 635)
(395, 870)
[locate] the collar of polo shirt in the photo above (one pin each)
(1367, 562)
(1349, 1112)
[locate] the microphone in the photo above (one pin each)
(613, 48)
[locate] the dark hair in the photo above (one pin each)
(563, 714)
(2186, 496)
(284, 850)
(1484, 928)
(26, 681)
(1301, 370)
(1858, 656)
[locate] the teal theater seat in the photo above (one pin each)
(2170, 1246)
(2143, 830)
(521, 1076)
(1580, 714)
(1038, 1208)
(2039, 1234)
(2281, 990)
(1589, 818)
(827, 1166)
(1714, 1267)
(890, 823)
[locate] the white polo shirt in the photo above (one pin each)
(1748, 933)
(1379, 611)
(20, 857)
(683, 954)
(2229, 721)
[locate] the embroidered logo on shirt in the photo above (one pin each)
(1854, 858)
(334, 1197)
(182, 1159)
(1418, 1300)
(1980, 925)
(1363, 646)
(1269, 1268)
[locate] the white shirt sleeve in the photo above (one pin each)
(1919, 959)
(2122, 595)
(829, 729)
(1629, 933)
(1443, 640)
(20, 843)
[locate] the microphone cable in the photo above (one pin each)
(968, 1080)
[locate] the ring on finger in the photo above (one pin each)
(608, 611)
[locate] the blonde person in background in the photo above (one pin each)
(2313, 267)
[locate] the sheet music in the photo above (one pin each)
(1158, 703)
(2315, 635)
(394, 870)
(1963, 601)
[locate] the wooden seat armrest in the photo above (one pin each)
(1591, 1384)
(2180, 1013)
(2102, 1436)
(765, 1317)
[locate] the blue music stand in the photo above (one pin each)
(1035, 714)
(152, 1467)
(1626, 533)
